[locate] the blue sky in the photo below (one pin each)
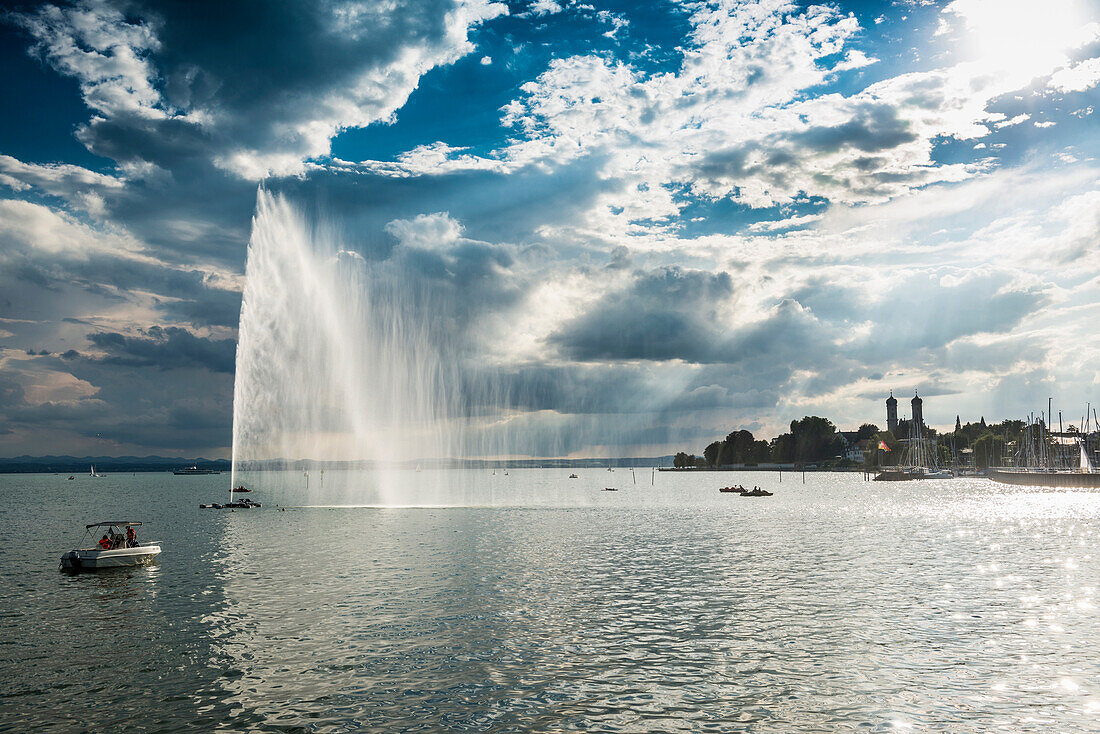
(684, 217)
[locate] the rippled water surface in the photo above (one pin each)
(530, 602)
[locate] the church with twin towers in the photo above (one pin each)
(892, 412)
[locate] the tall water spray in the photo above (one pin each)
(341, 363)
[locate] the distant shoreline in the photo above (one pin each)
(793, 469)
(153, 464)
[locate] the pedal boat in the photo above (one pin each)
(94, 558)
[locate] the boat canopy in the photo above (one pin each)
(111, 524)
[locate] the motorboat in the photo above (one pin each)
(756, 492)
(71, 478)
(244, 504)
(188, 470)
(573, 476)
(115, 552)
(611, 489)
(738, 489)
(241, 488)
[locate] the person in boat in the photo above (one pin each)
(131, 537)
(105, 543)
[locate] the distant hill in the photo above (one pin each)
(108, 464)
(103, 464)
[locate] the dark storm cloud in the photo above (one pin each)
(209, 307)
(669, 314)
(577, 388)
(143, 406)
(178, 90)
(51, 283)
(250, 79)
(666, 314)
(872, 128)
(197, 101)
(806, 160)
(166, 348)
(818, 331)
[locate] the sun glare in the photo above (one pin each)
(1023, 37)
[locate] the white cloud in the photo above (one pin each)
(1013, 121)
(105, 51)
(78, 186)
(734, 122)
(426, 231)
(543, 7)
(788, 223)
(26, 227)
(617, 22)
(1077, 78)
(855, 59)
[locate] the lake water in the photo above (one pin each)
(546, 605)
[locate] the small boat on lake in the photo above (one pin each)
(97, 476)
(738, 489)
(186, 471)
(573, 476)
(234, 504)
(114, 550)
(611, 489)
(756, 492)
(241, 488)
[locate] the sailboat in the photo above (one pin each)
(97, 476)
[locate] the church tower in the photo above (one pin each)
(892, 413)
(918, 410)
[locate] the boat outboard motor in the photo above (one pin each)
(73, 559)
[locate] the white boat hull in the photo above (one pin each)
(89, 559)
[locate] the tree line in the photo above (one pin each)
(811, 440)
(815, 440)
